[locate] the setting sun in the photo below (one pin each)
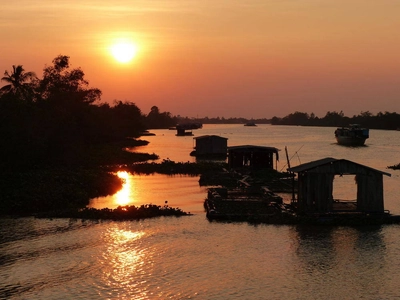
(124, 52)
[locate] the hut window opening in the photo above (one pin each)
(247, 160)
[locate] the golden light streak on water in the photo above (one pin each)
(156, 189)
(124, 196)
(124, 261)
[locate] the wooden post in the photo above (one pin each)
(288, 163)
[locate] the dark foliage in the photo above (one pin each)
(157, 120)
(60, 124)
(118, 214)
(35, 191)
(171, 168)
(387, 120)
(57, 138)
(221, 120)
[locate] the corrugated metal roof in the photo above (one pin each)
(328, 160)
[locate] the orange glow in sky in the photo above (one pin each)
(253, 59)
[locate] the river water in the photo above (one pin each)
(192, 258)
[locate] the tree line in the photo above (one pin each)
(222, 120)
(59, 120)
(386, 120)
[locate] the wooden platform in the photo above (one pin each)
(341, 205)
(223, 204)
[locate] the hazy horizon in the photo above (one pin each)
(251, 59)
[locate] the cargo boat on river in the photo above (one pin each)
(353, 135)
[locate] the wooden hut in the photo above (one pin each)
(315, 186)
(210, 146)
(252, 156)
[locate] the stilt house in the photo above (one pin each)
(315, 186)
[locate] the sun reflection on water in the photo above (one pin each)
(137, 190)
(124, 196)
(125, 264)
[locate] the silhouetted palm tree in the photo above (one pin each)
(20, 83)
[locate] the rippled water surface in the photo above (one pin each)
(191, 258)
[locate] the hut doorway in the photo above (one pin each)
(344, 188)
(344, 193)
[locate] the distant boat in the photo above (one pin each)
(353, 135)
(146, 133)
(250, 124)
(186, 128)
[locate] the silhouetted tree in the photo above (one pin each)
(297, 118)
(61, 84)
(20, 83)
(276, 121)
(155, 119)
(127, 119)
(334, 119)
(385, 120)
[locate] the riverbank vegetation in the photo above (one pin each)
(60, 142)
(121, 213)
(386, 120)
(59, 121)
(382, 120)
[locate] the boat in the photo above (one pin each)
(146, 133)
(183, 132)
(353, 135)
(186, 128)
(250, 124)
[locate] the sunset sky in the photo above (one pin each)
(226, 58)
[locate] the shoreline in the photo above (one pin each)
(60, 190)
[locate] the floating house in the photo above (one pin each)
(257, 157)
(315, 203)
(315, 187)
(210, 146)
